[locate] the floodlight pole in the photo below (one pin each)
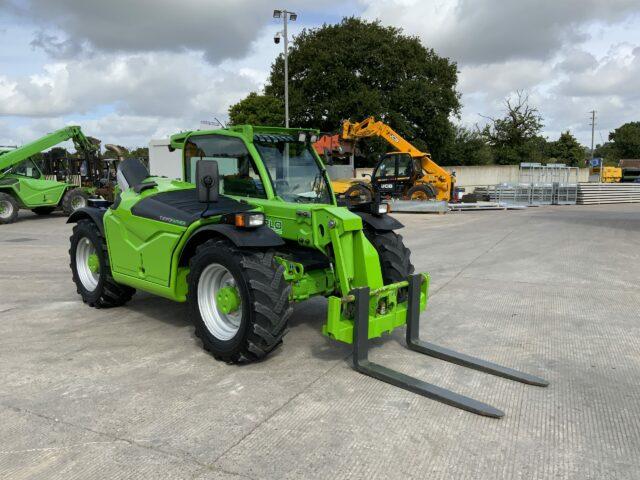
(286, 71)
(286, 16)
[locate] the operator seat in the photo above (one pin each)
(131, 173)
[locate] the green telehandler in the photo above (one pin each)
(254, 228)
(22, 184)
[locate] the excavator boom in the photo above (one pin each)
(372, 128)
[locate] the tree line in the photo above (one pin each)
(356, 68)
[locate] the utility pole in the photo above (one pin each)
(593, 132)
(593, 129)
(286, 16)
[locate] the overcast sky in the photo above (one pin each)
(130, 70)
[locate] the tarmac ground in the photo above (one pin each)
(130, 393)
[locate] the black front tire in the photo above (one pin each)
(395, 257)
(8, 209)
(264, 297)
(43, 210)
(74, 199)
(358, 194)
(107, 293)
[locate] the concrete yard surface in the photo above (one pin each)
(129, 392)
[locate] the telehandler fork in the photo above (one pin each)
(362, 364)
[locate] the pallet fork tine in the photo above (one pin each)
(362, 364)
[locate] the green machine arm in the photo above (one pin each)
(81, 143)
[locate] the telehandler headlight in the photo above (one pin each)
(249, 220)
(383, 208)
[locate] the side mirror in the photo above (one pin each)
(207, 181)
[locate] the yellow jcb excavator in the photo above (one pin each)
(406, 173)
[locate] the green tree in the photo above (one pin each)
(469, 148)
(515, 137)
(139, 152)
(258, 110)
(608, 152)
(355, 69)
(626, 140)
(567, 150)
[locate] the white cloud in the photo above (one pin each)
(127, 71)
(572, 56)
(618, 74)
(221, 29)
(158, 84)
(488, 31)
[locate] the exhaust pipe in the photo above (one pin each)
(119, 151)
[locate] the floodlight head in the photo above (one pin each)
(277, 13)
(293, 17)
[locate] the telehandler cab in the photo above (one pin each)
(254, 228)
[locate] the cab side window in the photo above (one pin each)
(405, 165)
(27, 169)
(386, 168)
(238, 174)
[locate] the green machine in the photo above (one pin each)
(254, 228)
(22, 184)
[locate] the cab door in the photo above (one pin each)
(384, 176)
(394, 174)
(405, 173)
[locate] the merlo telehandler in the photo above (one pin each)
(254, 228)
(22, 184)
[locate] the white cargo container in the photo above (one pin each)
(162, 161)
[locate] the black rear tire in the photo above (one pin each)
(395, 257)
(43, 210)
(74, 199)
(107, 293)
(421, 192)
(8, 209)
(264, 301)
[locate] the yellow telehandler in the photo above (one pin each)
(406, 173)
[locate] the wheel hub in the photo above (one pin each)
(93, 263)
(77, 202)
(419, 196)
(5, 209)
(228, 299)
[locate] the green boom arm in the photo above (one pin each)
(81, 143)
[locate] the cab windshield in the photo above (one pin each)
(295, 174)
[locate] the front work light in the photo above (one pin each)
(249, 220)
(383, 208)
